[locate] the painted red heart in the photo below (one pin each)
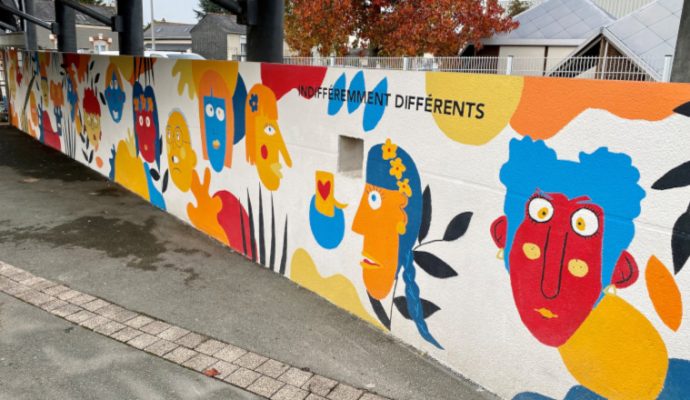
(324, 189)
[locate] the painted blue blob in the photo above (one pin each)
(531, 396)
(357, 88)
(609, 179)
(334, 105)
(115, 98)
(581, 393)
(328, 231)
(677, 385)
(373, 111)
(238, 103)
(215, 119)
(155, 197)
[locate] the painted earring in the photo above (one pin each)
(499, 255)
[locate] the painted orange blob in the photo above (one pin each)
(664, 293)
(630, 100)
(99, 162)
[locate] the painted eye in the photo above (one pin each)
(141, 120)
(148, 121)
(270, 130)
(220, 114)
(374, 200)
(540, 209)
(585, 222)
(209, 110)
(168, 133)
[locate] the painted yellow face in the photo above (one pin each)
(181, 156)
(92, 123)
(269, 148)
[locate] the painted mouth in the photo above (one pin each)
(275, 167)
(546, 313)
(116, 114)
(368, 263)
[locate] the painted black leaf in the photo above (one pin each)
(380, 312)
(92, 63)
(426, 214)
(680, 241)
(165, 181)
(683, 109)
(98, 75)
(154, 174)
(457, 226)
(433, 265)
(675, 178)
(102, 98)
(428, 307)
(91, 156)
(86, 156)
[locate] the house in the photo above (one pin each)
(548, 33)
(169, 36)
(638, 46)
(92, 36)
(219, 37)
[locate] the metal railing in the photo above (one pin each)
(612, 68)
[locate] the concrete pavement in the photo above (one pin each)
(66, 223)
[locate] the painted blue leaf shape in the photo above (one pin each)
(334, 105)
(356, 87)
(373, 112)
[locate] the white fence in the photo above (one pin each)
(613, 68)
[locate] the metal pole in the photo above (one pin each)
(30, 29)
(668, 62)
(67, 28)
(681, 60)
(509, 65)
(153, 29)
(265, 39)
(132, 36)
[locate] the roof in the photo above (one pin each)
(169, 30)
(226, 23)
(45, 10)
(555, 23)
(649, 33)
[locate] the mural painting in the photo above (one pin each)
(584, 198)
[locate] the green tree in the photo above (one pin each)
(516, 7)
(207, 6)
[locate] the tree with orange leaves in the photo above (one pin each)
(392, 27)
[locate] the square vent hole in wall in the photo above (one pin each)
(350, 156)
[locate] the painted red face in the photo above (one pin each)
(555, 265)
(145, 130)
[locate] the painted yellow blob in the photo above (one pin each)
(129, 171)
(336, 288)
(495, 98)
(578, 268)
(531, 250)
(617, 353)
(664, 293)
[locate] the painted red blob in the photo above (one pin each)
(546, 283)
(90, 102)
(234, 220)
(50, 137)
(264, 152)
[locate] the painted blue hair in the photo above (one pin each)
(378, 175)
(608, 179)
(148, 93)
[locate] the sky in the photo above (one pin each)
(171, 10)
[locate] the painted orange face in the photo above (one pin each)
(381, 219)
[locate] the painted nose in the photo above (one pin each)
(552, 269)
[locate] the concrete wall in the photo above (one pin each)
(520, 230)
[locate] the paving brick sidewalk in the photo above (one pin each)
(214, 358)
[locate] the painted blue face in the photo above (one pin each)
(214, 118)
(115, 97)
(71, 97)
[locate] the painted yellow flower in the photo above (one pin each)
(389, 150)
(397, 168)
(404, 187)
